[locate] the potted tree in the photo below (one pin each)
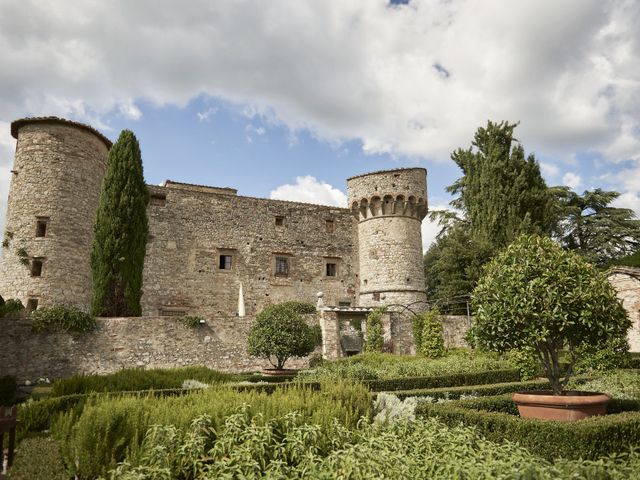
(279, 333)
(8, 396)
(535, 294)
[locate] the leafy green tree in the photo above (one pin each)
(374, 337)
(589, 225)
(501, 195)
(536, 295)
(452, 267)
(120, 232)
(280, 332)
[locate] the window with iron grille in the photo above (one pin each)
(282, 266)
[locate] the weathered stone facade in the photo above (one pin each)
(204, 244)
(626, 281)
(55, 187)
(389, 207)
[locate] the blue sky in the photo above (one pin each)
(288, 98)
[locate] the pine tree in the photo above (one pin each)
(589, 225)
(120, 232)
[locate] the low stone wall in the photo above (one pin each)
(455, 328)
(116, 343)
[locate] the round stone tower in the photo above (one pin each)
(54, 194)
(390, 206)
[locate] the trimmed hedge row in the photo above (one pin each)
(454, 393)
(452, 380)
(497, 419)
(130, 379)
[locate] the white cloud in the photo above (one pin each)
(207, 114)
(628, 200)
(549, 170)
(414, 80)
(309, 190)
(571, 180)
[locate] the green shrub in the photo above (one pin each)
(12, 308)
(282, 447)
(62, 318)
(191, 321)
(372, 366)
(496, 418)
(490, 389)
(535, 294)
(593, 358)
(109, 429)
(8, 390)
(621, 384)
(526, 360)
(130, 379)
(38, 458)
(428, 334)
(451, 380)
(374, 336)
(279, 333)
(432, 340)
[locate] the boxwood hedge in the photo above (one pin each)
(497, 419)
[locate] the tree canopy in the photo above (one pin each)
(589, 225)
(501, 195)
(280, 332)
(536, 295)
(120, 232)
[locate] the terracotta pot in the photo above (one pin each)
(275, 371)
(568, 407)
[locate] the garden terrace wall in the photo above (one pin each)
(116, 343)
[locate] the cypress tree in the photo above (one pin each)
(502, 195)
(120, 232)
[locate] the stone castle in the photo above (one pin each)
(206, 242)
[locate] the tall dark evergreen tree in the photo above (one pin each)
(501, 195)
(120, 232)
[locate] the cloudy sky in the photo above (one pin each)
(287, 98)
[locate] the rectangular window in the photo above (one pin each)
(225, 262)
(36, 267)
(32, 304)
(158, 199)
(331, 269)
(41, 227)
(279, 221)
(282, 266)
(330, 226)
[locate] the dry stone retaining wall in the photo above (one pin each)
(143, 342)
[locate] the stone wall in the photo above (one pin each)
(626, 281)
(455, 328)
(143, 342)
(190, 228)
